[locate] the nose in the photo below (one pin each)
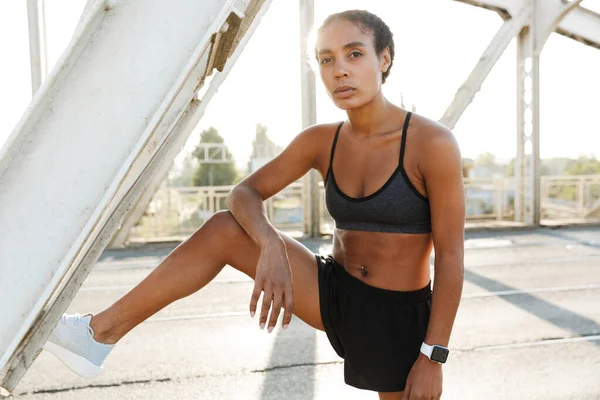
(340, 69)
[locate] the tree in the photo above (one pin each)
(585, 166)
(213, 174)
(185, 174)
(487, 160)
(563, 165)
(509, 170)
(486, 165)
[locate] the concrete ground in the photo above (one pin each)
(528, 328)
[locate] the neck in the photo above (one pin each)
(372, 118)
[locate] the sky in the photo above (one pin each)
(438, 43)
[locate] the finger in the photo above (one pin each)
(255, 296)
(266, 305)
(288, 304)
(406, 392)
(275, 309)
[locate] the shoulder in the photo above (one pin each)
(437, 147)
(431, 133)
(314, 143)
(432, 139)
(316, 139)
(320, 132)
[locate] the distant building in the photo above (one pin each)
(481, 172)
(263, 149)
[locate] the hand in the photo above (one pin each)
(274, 278)
(424, 381)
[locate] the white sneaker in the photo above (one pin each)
(72, 342)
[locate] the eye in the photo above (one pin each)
(325, 60)
(355, 54)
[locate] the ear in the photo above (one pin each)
(385, 59)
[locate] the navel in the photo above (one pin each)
(363, 271)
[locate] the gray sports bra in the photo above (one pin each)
(396, 207)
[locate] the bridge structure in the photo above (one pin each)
(531, 22)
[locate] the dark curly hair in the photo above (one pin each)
(368, 23)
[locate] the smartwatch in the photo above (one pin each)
(435, 353)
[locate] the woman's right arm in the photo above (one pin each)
(245, 202)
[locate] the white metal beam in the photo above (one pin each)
(527, 162)
(539, 19)
(548, 16)
(207, 89)
(94, 193)
(579, 23)
(465, 94)
(582, 25)
(181, 131)
(37, 42)
(309, 117)
(506, 8)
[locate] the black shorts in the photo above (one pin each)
(378, 332)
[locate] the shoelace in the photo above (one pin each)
(76, 321)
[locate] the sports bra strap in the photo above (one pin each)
(334, 143)
(404, 131)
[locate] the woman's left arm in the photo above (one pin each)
(441, 168)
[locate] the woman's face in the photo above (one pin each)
(349, 65)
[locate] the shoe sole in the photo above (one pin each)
(76, 363)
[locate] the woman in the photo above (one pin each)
(394, 187)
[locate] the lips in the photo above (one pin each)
(343, 88)
(344, 91)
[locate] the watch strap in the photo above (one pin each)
(428, 351)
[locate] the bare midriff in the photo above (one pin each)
(394, 261)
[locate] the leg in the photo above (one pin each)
(194, 263)
(390, 395)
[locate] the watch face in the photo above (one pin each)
(439, 354)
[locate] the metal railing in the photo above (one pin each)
(562, 198)
(175, 213)
(490, 198)
(570, 197)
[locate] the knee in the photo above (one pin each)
(221, 228)
(222, 220)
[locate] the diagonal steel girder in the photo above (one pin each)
(580, 23)
(567, 18)
(465, 94)
(531, 22)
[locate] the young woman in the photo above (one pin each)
(393, 184)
